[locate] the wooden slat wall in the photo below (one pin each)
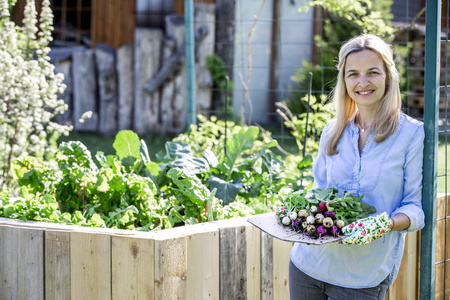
(217, 260)
(113, 22)
(178, 5)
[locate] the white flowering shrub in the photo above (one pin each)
(28, 88)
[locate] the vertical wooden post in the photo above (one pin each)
(274, 59)
(224, 47)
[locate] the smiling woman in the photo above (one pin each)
(365, 80)
(370, 149)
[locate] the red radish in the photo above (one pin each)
(334, 231)
(321, 230)
(330, 214)
(323, 206)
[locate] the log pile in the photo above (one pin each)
(140, 86)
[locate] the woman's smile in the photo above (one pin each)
(365, 78)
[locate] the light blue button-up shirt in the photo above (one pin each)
(389, 174)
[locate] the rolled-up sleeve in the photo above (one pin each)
(411, 204)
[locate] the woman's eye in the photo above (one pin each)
(352, 74)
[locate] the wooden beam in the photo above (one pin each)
(274, 58)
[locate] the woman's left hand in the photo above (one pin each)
(367, 230)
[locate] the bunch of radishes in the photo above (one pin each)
(316, 221)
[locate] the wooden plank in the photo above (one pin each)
(233, 262)
(275, 51)
(281, 252)
(408, 274)
(22, 263)
(170, 268)
(266, 266)
(57, 264)
(253, 241)
(30, 266)
(95, 14)
(8, 263)
(90, 263)
(130, 22)
(133, 267)
(202, 274)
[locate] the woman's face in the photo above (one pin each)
(365, 78)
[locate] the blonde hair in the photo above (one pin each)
(387, 117)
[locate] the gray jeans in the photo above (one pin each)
(302, 286)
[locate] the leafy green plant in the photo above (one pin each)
(217, 69)
(318, 117)
(129, 191)
(210, 134)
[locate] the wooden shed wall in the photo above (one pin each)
(113, 22)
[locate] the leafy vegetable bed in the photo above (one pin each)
(129, 191)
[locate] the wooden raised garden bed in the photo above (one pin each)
(228, 259)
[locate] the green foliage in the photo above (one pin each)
(319, 115)
(29, 88)
(129, 191)
(210, 134)
(347, 207)
(217, 69)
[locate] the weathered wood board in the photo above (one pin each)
(132, 268)
(90, 263)
(57, 265)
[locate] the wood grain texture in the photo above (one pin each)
(170, 268)
(90, 263)
(57, 265)
(253, 241)
(281, 250)
(22, 263)
(408, 275)
(202, 274)
(133, 265)
(233, 263)
(267, 260)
